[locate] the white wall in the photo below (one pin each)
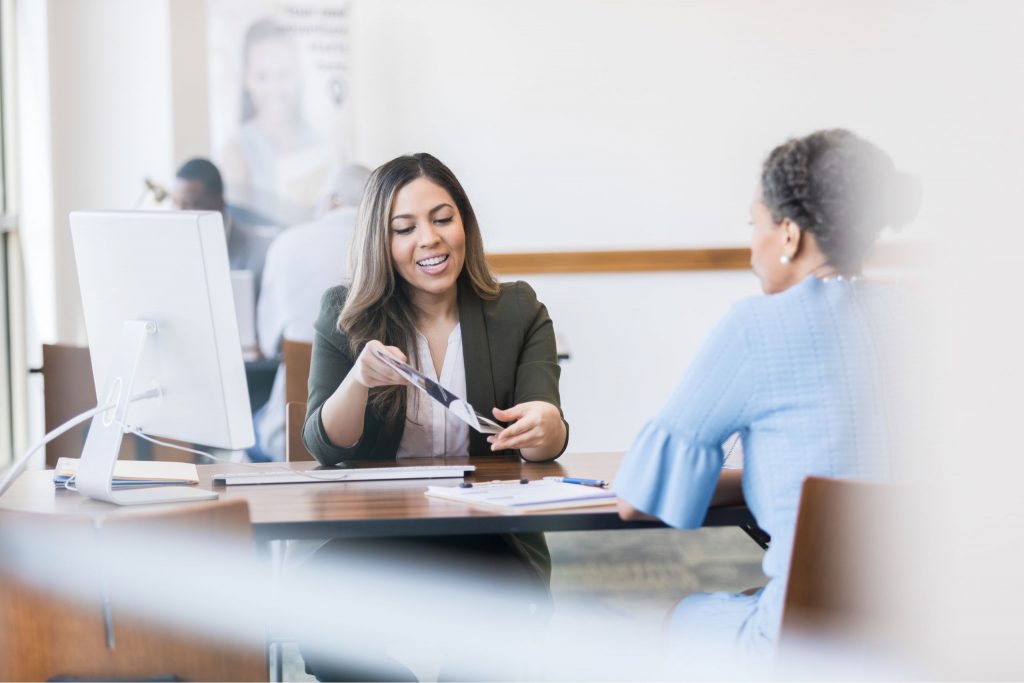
(190, 99)
(632, 123)
(103, 124)
(573, 125)
(631, 337)
(111, 92)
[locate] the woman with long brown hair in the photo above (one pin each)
(421, 292)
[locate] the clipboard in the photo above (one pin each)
(513, 496)
(437, 393)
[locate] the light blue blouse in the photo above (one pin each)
(807, 378)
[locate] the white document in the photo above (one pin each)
(458, 407)
(533, 495)
(129, 473)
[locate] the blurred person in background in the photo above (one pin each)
(198, 186)
(302, 263)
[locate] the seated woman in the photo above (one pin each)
(422, 292)
(805, 375)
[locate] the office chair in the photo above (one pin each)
(839, 562)
(296, 356)
(68, 391)
(294, 449)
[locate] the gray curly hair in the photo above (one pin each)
(842, 189)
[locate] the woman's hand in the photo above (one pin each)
(371, 371)
(343, 411)
(538, 431)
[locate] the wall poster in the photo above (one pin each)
(279, 110)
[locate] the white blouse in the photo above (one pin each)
(430, 430)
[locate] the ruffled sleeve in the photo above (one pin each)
(668, 477)
(673, 465)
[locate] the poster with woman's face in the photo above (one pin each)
(279, 110)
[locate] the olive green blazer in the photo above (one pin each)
(509, 350)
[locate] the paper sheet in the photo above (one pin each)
(135, 472)
(458, 407)
(534, 495)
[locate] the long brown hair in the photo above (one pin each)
(378, 305)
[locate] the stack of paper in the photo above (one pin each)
(133, 473)
(533, 495)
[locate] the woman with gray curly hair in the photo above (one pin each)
(806, 375)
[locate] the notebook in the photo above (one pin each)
(133, 473)
(533, 495)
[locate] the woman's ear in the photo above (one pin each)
(791, 234)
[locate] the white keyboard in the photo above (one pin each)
(284, 476)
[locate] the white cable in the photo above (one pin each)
(14, 470)
(129, 429)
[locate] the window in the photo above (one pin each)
(8, 388)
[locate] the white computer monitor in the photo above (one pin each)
(160, 320)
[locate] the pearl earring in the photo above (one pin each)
(784, 260)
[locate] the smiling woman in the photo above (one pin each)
(428, 245)
(422, 292)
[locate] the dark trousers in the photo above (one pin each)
(513, 569)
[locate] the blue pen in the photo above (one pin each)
(578, 480)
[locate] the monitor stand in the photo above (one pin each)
(96, 468)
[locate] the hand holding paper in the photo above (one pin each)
(372, 370)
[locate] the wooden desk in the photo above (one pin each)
(381, 508)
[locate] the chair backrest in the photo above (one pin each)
(294, 449)
(67, 391)
(296, 357)
(46, 635)
(838, 559)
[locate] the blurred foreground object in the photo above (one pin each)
(96, 633)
